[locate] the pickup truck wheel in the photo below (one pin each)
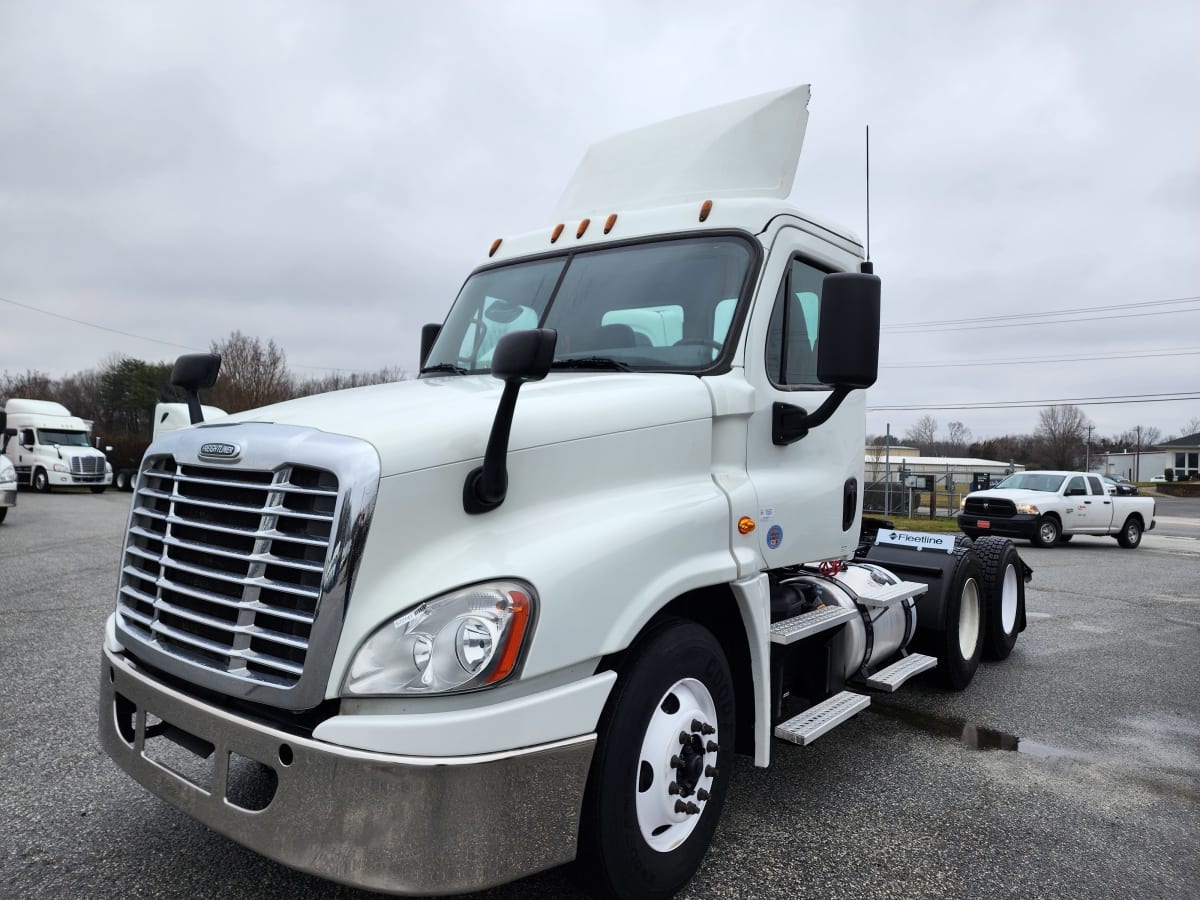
(660, 773)
(1131, 533)
(41, 481)
(1047, 532)
(962, 640)
(1003, 594)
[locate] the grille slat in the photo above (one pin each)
(87, 465)
(236, 558)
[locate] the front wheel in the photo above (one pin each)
(1047, 532)
(1131, 533)
(3, 512)
(661, 767)
(41, 481)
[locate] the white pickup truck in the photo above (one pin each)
(1050, 508)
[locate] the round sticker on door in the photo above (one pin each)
(774, 537)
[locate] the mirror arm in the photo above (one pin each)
(487, 485)
(791, 423)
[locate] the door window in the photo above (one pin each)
(792, 332)
(1097, 487)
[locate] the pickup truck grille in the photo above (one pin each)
(993, 507)
(234, 575)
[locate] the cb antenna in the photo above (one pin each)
(866, 265)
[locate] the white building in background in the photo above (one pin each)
(933, 471)
(1131, 464)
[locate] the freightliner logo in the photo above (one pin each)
(219, 450)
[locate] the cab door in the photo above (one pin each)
(810, 490)
(1095, 509)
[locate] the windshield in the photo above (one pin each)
(62, 438)
(663, 306)
(1032, 481)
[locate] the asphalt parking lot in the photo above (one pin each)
(1070, 770)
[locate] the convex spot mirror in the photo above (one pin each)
(848, 333)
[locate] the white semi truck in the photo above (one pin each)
(524, 609)
(51, 448)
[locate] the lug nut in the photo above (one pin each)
(712, 747)
(680, 806)
(707, 729)
(691, 809)
(676, 762)
(702, 795)
(684, 737)
(673, 787)
(710, 771)
(697, 725)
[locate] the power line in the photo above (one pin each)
(1031, 404)
(1128, 354)
(142, 337)
(1061, 312)
(933, 328)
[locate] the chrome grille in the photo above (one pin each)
(87, 465)
(224, 566)
(236, 573)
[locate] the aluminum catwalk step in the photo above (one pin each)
(891, 594)
(899, 672)
(790, 630)
(815, 721)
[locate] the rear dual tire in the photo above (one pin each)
(961, 642)
(1003, 595)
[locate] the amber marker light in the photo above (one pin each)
(583, 226)
(554, 235)
(745, 525)
(705, 209)
(609, 223)
(495, 246)
(516, 636)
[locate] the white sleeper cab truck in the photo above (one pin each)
(1049, 508)
(8, 473)
(51, 448)
(432, 636)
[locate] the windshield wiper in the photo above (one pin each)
(591, 362)
(449, 368)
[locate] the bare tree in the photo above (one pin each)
(29, 385)
(341, 380)
(252, 374)
(1061, 433)
(957, 438)
(1140, 437)
(1190, 427)
(922, 434)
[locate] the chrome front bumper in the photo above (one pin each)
(401, 824)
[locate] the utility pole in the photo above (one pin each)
(887, 477)
(1087, 451)
(1137, 456)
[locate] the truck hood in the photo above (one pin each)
(436, 421)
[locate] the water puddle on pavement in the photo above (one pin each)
(976, 737)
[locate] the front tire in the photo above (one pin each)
(1131, 533)
(41, 481)
(3, 512)
(1004, 595)
(962, 640)
(1047, 532)
(653, 800)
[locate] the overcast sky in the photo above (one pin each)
(326, 174)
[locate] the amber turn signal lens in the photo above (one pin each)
(495, 246)
(609, 223)
(583, 226)
(554, 235)
(705, 209)
(745, 525)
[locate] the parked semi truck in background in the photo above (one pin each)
(125, 451)
(51, 448)
(524, 609)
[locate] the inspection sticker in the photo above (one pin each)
(774, 537)
(916, 540)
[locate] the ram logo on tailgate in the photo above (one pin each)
(219, 450)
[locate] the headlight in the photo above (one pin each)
(962, 504)
(59, 467)
(462, 641)
(1027, 509)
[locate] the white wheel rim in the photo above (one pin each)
(1008, 599)
(968, 619)
(663, 826)
(1049, 533)
(1131, 532)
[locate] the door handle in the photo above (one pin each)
(1108, 503)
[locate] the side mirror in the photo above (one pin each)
(848, 333)
(194, 372)
(429, 336)
(847, 351)
(519, 357)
